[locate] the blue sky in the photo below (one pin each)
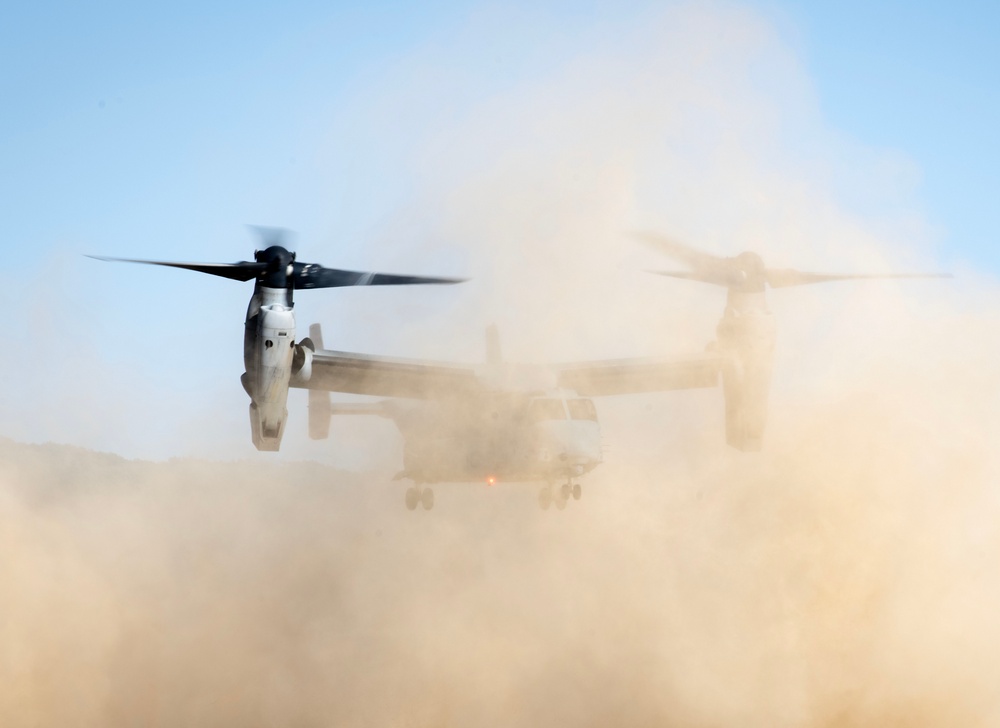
(919, 77)
(121, 117)
(159, 131)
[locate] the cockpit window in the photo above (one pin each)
(582, 409)
(547, 409)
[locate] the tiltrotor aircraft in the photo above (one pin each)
(467, 423)
(497, 421)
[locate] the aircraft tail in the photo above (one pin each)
(319, 400)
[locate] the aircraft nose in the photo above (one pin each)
(576, 444)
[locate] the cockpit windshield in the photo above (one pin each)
(582, 409)
(546, 409)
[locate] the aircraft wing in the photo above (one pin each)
(632, 376)
(341, 371)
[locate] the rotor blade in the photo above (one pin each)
(315, 276)
(679, 251)
(242, 271)
(717, 277)
(784, 277)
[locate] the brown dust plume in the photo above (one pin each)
(846, 576)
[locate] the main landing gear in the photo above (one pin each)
(418, 495)
(560, 496)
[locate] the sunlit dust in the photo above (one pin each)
(847, 575)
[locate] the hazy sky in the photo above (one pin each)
(124, 125)
(160, 131)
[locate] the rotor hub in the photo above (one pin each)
(752, 276)
(279, 269)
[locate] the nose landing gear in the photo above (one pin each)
(418, 495)
(560, 496)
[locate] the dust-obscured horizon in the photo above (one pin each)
(845, 576)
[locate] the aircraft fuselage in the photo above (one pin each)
(499, 438)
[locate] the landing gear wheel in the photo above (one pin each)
(577, 491)
(427, 499)
(560, 502)
(411, 498)
(545, 497)
(564, 491)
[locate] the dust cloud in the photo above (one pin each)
(849, 575)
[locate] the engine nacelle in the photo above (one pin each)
(268, 377)
(747, 339)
